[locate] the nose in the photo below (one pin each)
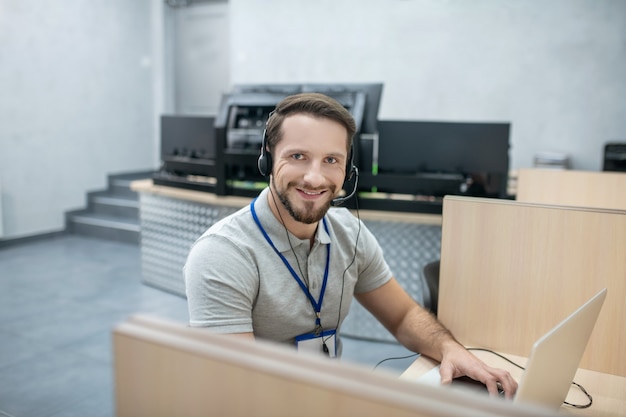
(314, 175)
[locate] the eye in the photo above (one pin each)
(331, 160)
(297, 156)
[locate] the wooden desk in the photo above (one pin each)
(608, 391)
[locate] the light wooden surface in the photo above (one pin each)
(608, 391)
(168, 369)
(147, 186)
(572, 188)
(511, 271)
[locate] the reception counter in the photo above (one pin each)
(173, 218)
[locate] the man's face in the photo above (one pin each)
(309, 165)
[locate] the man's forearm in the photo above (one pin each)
(421, 332)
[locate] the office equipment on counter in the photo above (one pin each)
(187, 150)
(434, 159)
(243, 115)
(614, 157)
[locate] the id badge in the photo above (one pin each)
(322, 343)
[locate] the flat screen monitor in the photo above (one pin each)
(478, 150)
(188, 145)
(614, 157)
(187, 136)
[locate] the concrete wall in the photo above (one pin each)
(76, 103)
(554, 69)
(83, 83)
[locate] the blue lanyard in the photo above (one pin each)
(317, 305)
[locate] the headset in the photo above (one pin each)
(264, 164)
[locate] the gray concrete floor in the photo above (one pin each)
(61, 297)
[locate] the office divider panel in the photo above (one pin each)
(168, 369)
(572, 188)
(510, 271)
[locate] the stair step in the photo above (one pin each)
(112, 213)
(115, 222)
(111, 204)
(120, 183)
(116, 200)
(106, 227)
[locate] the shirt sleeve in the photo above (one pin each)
(374, 270)
(221, 285)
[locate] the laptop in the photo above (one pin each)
(553, 360)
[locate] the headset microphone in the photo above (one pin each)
(340, 200)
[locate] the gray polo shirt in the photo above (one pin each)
(236, 282)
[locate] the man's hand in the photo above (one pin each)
(458, 361)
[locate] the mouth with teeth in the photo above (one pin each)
(310, 194)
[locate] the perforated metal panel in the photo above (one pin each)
(407, 248)
(168, 229)
(170, 226)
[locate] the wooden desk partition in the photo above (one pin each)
(510, 271)
(572, 188)
(168, 369)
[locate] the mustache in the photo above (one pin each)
(331, 187)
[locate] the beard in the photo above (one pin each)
(308, 214)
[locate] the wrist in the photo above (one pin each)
(450, 346)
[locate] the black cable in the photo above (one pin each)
(498, 355)
(580, 387)
(343, 276)
(395, 358)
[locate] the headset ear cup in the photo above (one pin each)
(261, 164)
(350, 168)
(265, 159)
(265, 163)
(350, 173)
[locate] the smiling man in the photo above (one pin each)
(287, 267)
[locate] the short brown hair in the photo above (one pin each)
(314, 104)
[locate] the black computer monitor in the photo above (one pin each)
(475, 151)
(192, 136)
(614, 157)
(188, 144)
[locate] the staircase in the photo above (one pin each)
(111, 214)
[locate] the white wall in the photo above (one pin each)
(200, 55)
(554, 69)
(76, 104)
(83, 82)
